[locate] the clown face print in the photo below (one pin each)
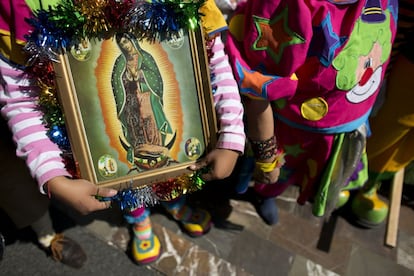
(369, 74)
(359, 64)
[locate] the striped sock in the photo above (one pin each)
(143, 229)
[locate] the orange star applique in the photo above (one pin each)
(253, 82)
(274, 35)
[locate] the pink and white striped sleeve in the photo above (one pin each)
(42, 156)
(229, 108)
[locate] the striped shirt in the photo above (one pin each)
(227, 101)
(42, 156)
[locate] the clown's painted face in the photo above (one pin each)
(368, 74)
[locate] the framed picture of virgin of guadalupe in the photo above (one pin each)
(136, 111)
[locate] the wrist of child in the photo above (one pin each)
(266, 166)
(268, 156)
(50, 185)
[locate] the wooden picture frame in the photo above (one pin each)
(139, 115)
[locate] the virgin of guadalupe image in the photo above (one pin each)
(138, 91)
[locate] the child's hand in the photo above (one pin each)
(80, 194)
(221, 163)
(266, 178)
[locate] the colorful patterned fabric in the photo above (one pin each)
(321, 64)
(13, 26)
(391, 146)
(213, 21)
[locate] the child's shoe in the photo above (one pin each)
(66, 251)
(369, 210)
(343, 198)
(146, 251)
(146, 247)
(194, 222)
(198, 224)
